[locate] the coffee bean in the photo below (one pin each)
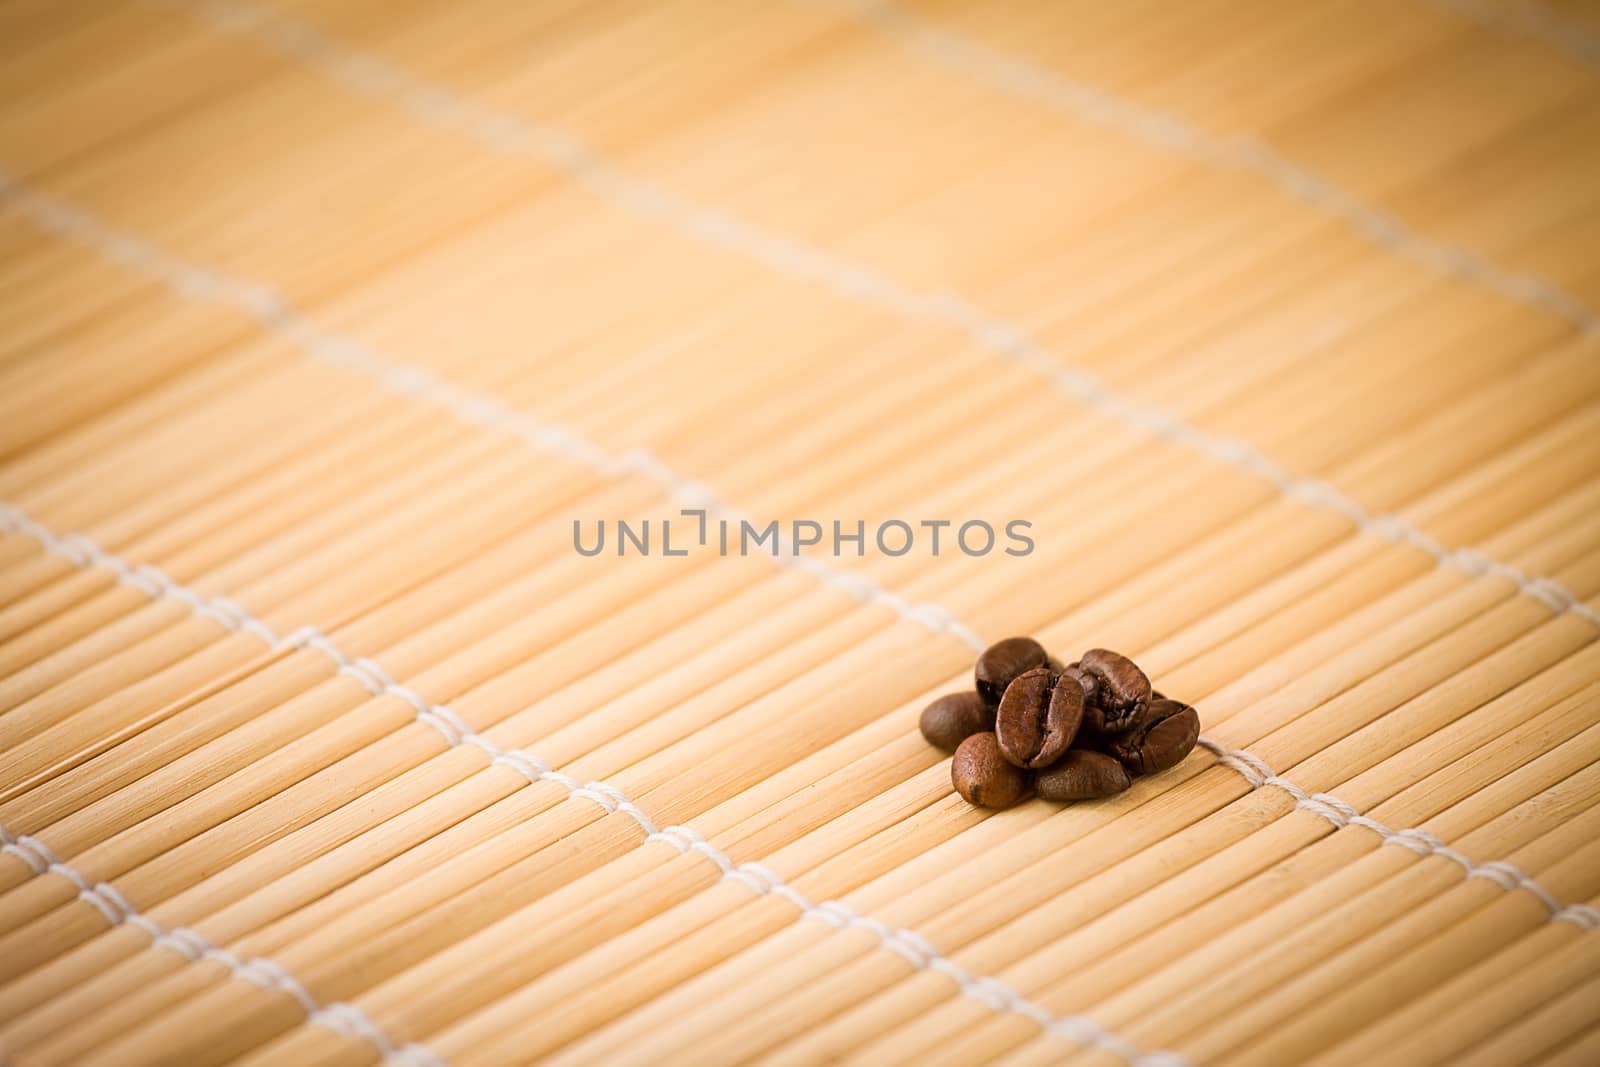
(1121, 690)
(1085, 682)
(984, 777)
(955, 717)
(1164, 734)
(1003, 661)
(1082, 774)
(1038, 718)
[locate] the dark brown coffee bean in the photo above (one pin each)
(955, 717)
(1121, 692)
(984, 777)
(1003, 661)
(1082, 774)
(1165, 733)
(1088, 684)
(1038, 718)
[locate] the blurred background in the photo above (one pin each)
(346, 311)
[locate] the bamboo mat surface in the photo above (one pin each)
(324, 323)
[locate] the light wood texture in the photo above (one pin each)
(1280, 324)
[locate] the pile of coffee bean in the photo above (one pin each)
(1075, 731)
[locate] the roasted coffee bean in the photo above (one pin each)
(955, 717)
(984, 777)
(1003, 661)
(1082, 774)
(1164, 734)
(1121, 689)
(1085, 682)
(1038, 718)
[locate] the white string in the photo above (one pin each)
(83, 552)
(1183, 137)
(912, 947)
(281, 320)
(1580, 915)
(520, 138)
(1341, 814)
(758, 879)
(116, 909)
(508, 133)
(1535, 20)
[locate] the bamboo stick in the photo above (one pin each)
(1562, 957)
(283, 812)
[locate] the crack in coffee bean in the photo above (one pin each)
(1002, 662)
(985, 777)
(1038, 718)
(1082, 774)
(955, 717)
(1121, 690)
(1165, 733)
(1085, 682)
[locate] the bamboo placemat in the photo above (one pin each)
(326, 322)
